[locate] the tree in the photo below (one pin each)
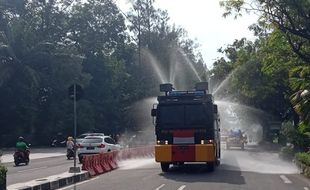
(291, 17)
(47, 45)
(38, 65)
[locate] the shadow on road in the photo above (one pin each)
(199, 173)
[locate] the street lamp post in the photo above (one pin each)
(75, 93)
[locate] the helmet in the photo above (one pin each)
(70, 138)
(21, 138)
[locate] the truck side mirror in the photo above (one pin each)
(154, 112)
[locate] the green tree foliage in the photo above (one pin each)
(47, 45)
(299, 78)
(166, 46)
(3, 171)
(274, 74)
(291, 17)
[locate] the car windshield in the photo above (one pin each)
(92, 140)
(90, 134)
(185, 116)
(82, 136)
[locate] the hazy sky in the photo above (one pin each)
(204, 22)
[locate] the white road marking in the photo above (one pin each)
(182, 187)
(306, 188)
(161, 186)
(32, 169)
(285, 179)
(80, 183)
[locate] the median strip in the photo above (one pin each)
(77, 184)
(52, 182)
(92, 165)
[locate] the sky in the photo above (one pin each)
(203, 21)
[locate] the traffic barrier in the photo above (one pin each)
(112, 161)
(88, 164)
(101, 163)
(104, 162)
(97, 166)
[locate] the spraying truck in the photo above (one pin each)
(187, 127)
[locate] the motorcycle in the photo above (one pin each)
(21, 157)
(70, 153)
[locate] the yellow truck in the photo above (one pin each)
(187, 127)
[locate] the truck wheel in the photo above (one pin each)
(164, 166)
(211, 166)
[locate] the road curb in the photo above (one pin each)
(52, 182)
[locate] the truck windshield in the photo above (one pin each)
(185, 116)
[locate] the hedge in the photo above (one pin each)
(302, 160)
(303, 157)
(3, 171)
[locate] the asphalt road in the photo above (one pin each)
(252, 169)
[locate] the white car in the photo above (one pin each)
(96, 145)
(80, 138)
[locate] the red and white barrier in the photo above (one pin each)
(100, 163)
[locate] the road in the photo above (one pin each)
(36, 153)
(252, 169)
(44, 162)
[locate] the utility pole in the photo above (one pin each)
(75, 93)
(139, 34)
